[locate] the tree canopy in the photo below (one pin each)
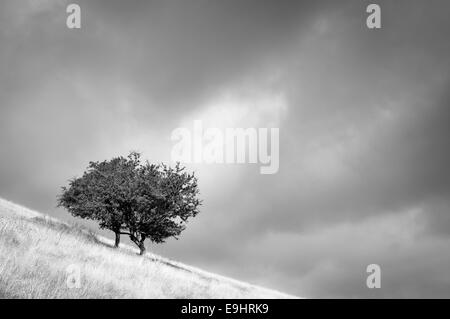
(141, 200)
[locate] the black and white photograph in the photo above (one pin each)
(224, 149)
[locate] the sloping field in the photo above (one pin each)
(39, 255)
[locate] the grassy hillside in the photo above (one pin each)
(36, 251)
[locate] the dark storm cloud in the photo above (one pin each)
(180, 52)
(364, 127)
(367, 129)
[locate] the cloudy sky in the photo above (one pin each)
(363, 118)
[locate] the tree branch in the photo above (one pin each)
(124, 233)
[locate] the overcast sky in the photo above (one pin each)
(363, 117)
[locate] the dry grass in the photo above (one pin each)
(35, 252)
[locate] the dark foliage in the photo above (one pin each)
(141, 200)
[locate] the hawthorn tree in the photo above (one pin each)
(141, 200)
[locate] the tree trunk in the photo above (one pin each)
(141, 248)
(116, 245)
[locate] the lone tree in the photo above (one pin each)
(141, 200)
